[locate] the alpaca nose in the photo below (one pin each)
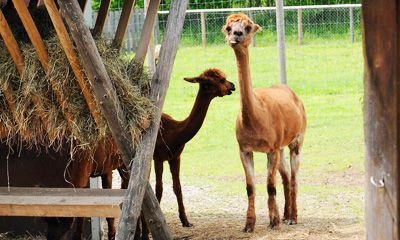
(233, 87)
(238, 33)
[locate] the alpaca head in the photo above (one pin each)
(213, 83)
(239, 30)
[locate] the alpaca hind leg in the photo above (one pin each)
(294, 163)
(273, 164)
(284, 170)
(248, 166)
(174, 165)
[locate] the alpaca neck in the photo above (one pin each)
(192, 124)
(247, 98)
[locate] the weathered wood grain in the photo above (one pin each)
(381, 38)
(123, 22)
(141, 164)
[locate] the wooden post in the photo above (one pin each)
(151, 63)
(203, 29)
(351, 13)
(101, 18)
(381, 34)
(68, 47)
(105, 95)
(123, 23)
(299, 27)
(147, 30)
(144, 155)
(280, 27)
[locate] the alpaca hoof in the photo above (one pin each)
(248, 229)
(275, 223)
(290, 222)
(187, 224)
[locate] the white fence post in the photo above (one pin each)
(299, 27)
(280, 28)
(351, 25)
(203, 29)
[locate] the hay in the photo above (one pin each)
(130, 81)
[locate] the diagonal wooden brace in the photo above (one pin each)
(106, 98)
(123, 22)
(144, 155)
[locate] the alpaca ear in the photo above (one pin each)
(257, 28)
(192, 80)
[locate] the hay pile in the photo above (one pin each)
(130, 81)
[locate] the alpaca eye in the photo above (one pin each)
(228, 29)
(248, 29)
(222, 81)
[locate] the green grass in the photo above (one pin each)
(326, 75)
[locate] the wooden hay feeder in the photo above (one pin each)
(100, 97)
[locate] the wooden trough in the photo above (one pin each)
(57, 202)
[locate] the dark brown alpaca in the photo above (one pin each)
(171, 139)
(173, 134)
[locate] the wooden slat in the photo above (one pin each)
(16, 55)
(381, 36)
(60, 202)
(101, 18)
(43, 55)
(123, 23)
(33, 33)
(67, 45)
(147, 30)
(142, 162)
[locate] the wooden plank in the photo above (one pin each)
(101, 18)
(33, 33)
(68, 47)
(141, 164)
(147, 30)
(381, 38)
(123, 23)
(106, 96)
(151, 63)
(60, 202)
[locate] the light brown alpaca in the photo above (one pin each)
(269, 119)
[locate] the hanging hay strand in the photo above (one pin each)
(130, 82)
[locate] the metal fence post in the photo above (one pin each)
(280, 28)
(351, 25)
(299, 27)
(203, 29)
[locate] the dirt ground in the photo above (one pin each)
(222, 217)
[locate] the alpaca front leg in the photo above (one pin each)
(273, 163)
(159, 168)
(248, 165)
(284, 170)
(294, 163)
(174, 165)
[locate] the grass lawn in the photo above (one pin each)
(328, 77)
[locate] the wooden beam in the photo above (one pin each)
(33, 33)
(16, 55)
(142, 162)
(105, 94)
(123, 23)
(68, 47)
(43, 55)
(101, 18)
(147, 30)
(60, 202)
(381, 36)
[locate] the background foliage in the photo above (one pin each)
(204, 4)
